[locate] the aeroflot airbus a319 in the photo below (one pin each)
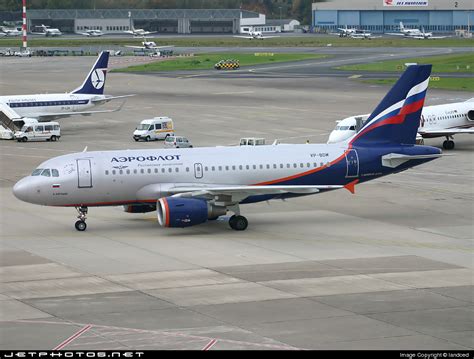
(190, 186)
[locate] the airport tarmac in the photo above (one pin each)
(390, 267)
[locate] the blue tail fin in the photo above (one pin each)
(94, 84)
(397, 118)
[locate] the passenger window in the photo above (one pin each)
(149, 170)
(113, 172)
(128, 172)
(274, 166)
(213, 168)
(254, 167)
(301, 165)
(206, 169)
(106, 172)
(156, 170)
(308, 164)
(240, 167)
(46, 173)
(121, 172)
(177, 169)
(163, 170)
(48, 128)
(187, 169)
(55, 172)
(220, 168)
(170, 170)
(268, 167)
(39, 128)
(142, 171)
(295, 165)
(233, 168)
(135, 171)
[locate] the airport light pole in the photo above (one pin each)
(25, 45)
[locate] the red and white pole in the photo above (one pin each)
(24, 25)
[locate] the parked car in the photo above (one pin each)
(177, 142)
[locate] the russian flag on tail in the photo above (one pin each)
(396, 119)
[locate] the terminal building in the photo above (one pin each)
(180, 21)
(385, 15)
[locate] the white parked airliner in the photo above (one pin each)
(57, 105)
(436, 121)
(189, 186)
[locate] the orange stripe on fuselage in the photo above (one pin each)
(302, 174)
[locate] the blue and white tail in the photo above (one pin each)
(397, 118)
(94, 84)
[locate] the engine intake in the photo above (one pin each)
(186, 212)
(470, 115)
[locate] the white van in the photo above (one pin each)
(49, 131)
(157, 128)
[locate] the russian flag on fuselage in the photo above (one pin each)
(396, 119)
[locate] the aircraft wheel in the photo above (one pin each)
(448, 145)
(81, 226)
(238, 223)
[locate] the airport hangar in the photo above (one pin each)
(379, 16)
(181, 21)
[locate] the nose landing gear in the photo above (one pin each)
(81, 223)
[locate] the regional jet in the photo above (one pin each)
(444, 120)
(4, 31)
(255, 35)
(52, 106)
(92, 33)
(48, 31)
(416, 33)
(149, 45)
(138, 32)
(189, 186)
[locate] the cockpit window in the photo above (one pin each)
(55, 172)
(46, 173)
(37, 172)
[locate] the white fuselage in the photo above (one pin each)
(42, 105)
(439, 117)
(122, 177)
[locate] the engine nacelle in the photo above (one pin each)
(185, 212)
(470, 115)
(139, 208)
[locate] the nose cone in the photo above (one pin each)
(22, 190)
(339, 136)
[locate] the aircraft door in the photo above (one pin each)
(352, 161)
(84, 173)
(198, 170)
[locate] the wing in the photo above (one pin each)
(135, 47)
(228, 195)
(447, 132)
(244, 37)
(395, 34)
(269, 37)
(161, 47)
(51, 116)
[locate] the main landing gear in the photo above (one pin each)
(237, 222)
(81, 223)
(449, 143)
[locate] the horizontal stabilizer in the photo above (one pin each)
(394, 160)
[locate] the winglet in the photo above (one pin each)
(351, 186)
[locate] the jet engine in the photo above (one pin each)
(139, 208)
(186, 212)
(470, 115)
